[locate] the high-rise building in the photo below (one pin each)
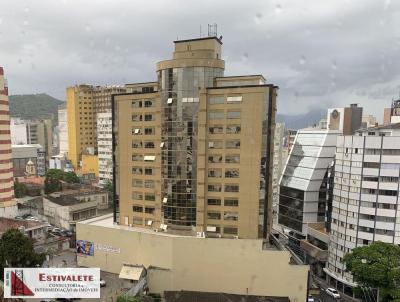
(104, 145)
(347, 119)
(62, 130)
(33, 132)
(303, 186)
(366, 203)
(291, 135)
(7, 201)
(84, 102)
(195, 156)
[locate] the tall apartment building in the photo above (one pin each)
(280, 156)
(7, 201)
(62, 130)
(291, 135)
(104, 145)
(84, 102)
(33, 132)
(368, 121)
(195, 156)
(365, 196)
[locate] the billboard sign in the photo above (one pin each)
(52, 283)
(84, 248)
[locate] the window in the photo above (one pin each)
(216, 100)
(233, 114)
(137, 195)
(231, 188)
(214, 201)
(231, 173)
(136, 118)
(232, 216)
(136, 144)
(214, 215)
(149, 158)
(148, 117)
(148, 171)
(232, 159)
(149, 183)
(136, 131)
(137, 183)
(214, 188)
(233, 129)
(148, 103)
(234, 99)
(216, 129)
(137, 208)
(215, 158)
(231, 202)
(149, 197)
(371, 165)
(137, 170)
(136, 104)
(215, 173)
(149, 210)
(149, 145)
(215, 144)
(149, 131)
(216, 115)
(230, 230)
(233, 144)
(137, 157)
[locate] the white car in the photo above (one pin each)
(310, 299)
(332, 292)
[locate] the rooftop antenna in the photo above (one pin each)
(212, 30)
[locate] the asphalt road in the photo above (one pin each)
(323, 297)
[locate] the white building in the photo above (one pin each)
(19, 133)
(63, 130)
(303, 185)
(104, 143)
(366, 199)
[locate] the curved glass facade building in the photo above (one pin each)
(193, 151)
(193, 68)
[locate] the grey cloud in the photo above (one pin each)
(320, 53)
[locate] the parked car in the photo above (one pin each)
(310, 298)
(333, 293)
(103, 283)
(19, 218)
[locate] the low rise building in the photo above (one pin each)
(32, 229)
(238, 267)
(64, 209)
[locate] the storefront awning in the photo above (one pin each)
(131, 272)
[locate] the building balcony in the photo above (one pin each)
(314, 251)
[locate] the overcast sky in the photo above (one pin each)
(320, 53)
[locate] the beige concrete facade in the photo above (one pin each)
(190, 263)
(83, 104)
(215, 162)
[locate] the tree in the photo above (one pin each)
(376, 266)
(19, 189)
(52, 182)
(125, 298)
(16, 250)
(70, 177)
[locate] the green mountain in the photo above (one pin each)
(34, 106)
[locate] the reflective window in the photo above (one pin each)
(233, 114)
(216, 129)
(214, 201)
(216, 115)
(231, 202)
(231, 173)
(231, 188)
(232, 159)
(233, 144)
(216, 100)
